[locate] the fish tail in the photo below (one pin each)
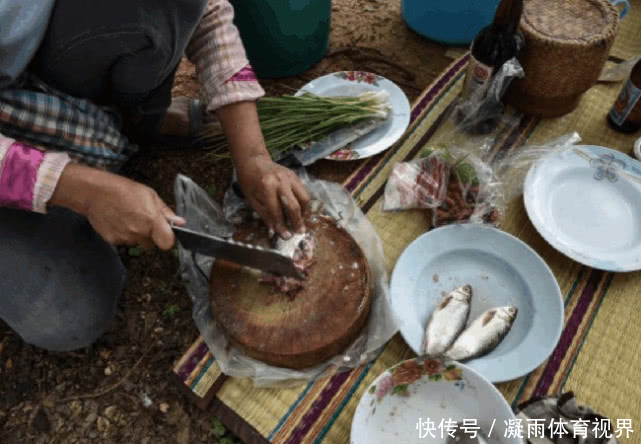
(447, 357)
(436, 356)
(423, 349)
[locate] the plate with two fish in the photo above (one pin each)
(586, 203)
(514, 314)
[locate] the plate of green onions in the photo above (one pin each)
(323, 106)
(375, 96)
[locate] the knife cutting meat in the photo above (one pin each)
(264, 259)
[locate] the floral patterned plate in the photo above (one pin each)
(353, 83)
(426, 400)
(586, 203)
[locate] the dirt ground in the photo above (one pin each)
(120, 390)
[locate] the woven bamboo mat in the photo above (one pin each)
(596, 356)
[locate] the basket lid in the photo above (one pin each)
(573, 21)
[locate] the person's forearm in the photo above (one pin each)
(121, 211)
(76, 186)
(242, 130)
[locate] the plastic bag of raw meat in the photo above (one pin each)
(453, 185)
(418, 184)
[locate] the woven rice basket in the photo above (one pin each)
(567, 43)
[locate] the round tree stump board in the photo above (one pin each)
(304, 329)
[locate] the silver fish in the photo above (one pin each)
(447, 321)
(483, 334)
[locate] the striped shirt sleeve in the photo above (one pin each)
(28, 175)
(217, 51)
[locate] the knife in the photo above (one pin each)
(253, 256)
(298, 158)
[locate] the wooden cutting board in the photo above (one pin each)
(301, 330)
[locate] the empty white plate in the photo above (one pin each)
(586, 202)
(502, 270)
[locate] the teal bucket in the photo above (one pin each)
(452, 22)
(283, 37)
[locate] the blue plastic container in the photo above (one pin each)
(453, 22)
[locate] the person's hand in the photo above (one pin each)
(130, 213)
(122, 211)
(273, 191)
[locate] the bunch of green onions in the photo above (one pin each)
(291, 121)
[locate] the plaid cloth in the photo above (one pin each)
(42, 116)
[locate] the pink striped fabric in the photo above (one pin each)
(246, 74)
(218, 53)
(18, 176)
(49, 173)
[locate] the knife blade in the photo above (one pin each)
(253, 256)
(330, 144)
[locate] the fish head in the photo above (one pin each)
(464, 293)
(291, 246)
(508, 313)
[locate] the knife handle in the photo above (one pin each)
(236, 188)
(288, 161)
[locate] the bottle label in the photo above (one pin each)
(625, 103)
(477, 80)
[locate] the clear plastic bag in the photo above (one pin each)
(475, 192)
(418, 184)
(480, 114)
(205, 215)
(477, 124)
(459, 186)
(454, 178)
(512, 169)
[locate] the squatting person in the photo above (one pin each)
(82, 84)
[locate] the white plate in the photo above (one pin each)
(586, 202)
(353, 83)
(502, 270)
(427, 391)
